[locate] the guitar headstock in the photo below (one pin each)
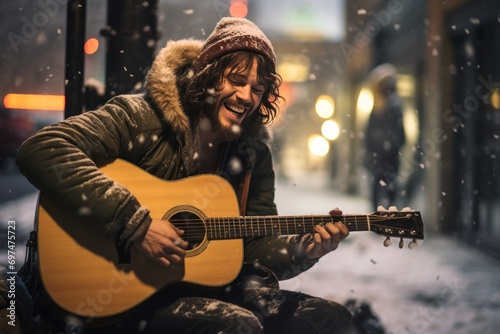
(406, 223)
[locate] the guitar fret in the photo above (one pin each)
(214, 229)
(273, 227)
(227, 231)
(223, 227)
(356, 222)
(209, 226)
(247, 228)
(327, 219)
(233, 222)
(348, 224)
(220, 229)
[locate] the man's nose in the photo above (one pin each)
(244, 93)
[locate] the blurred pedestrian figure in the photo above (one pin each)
(384, 135)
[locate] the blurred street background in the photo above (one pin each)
(62, 57)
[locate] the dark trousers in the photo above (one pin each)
(249, 311)
(256, 310)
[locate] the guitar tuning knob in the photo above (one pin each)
(387, 242)
(401, 243)
(381, 208)
(412, 244)
(393, 208)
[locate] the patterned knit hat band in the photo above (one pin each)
(234, 34)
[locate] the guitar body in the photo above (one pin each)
(80, 266)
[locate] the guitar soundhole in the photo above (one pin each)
(192, 225)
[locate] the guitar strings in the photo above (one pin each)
(236, 227)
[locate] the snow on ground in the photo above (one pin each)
(443, 286)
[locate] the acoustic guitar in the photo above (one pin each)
(85, 274)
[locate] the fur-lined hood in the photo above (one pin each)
(161, 80)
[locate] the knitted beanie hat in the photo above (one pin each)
(234, 34)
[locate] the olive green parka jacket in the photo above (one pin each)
(152, 131)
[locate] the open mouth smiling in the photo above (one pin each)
(235, 109)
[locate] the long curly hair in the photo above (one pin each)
(197, 89)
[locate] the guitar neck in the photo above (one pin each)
(255, 226)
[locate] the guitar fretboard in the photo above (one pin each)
(253, 226)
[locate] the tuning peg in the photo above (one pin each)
(401, 243)
(393, 208)
(412, 244)
(387, 242)
(407, 209)
(381, 208)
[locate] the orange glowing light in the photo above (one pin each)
(34, 101)
(238, 9)
(91, 46)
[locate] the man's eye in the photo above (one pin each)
(236, 81)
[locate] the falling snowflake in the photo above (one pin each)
(235, 166)
(84, 211)
(235, 128)
(141, 138)
(188, 11)
(362, 12)
(475, 20)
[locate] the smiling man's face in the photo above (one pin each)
(240, 95)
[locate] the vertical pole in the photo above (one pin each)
(74, 72)
(131, 42)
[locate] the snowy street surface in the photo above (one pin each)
(442, 286)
